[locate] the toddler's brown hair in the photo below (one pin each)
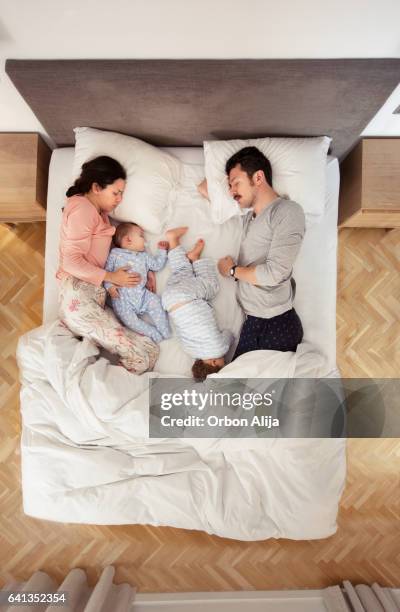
(201, 370)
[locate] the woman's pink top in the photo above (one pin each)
(85, 241)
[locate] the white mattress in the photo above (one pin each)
(315, 269)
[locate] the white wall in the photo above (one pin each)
(54, 29)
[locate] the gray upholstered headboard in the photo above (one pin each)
(183, 102)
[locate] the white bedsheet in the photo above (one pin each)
(84, 460)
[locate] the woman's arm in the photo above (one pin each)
(76, 246)
(109, 267)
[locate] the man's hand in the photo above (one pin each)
(113, 292)
(151, 281)
(225, 264)
(202, 188)
(163, 244)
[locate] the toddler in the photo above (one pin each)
(192, 284)
(130, 302)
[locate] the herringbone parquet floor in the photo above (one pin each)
(367, 544)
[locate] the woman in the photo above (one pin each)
(85, 240)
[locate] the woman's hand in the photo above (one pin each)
(151, 281)
(123, 278)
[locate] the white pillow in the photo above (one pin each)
(298, 172)
(153, 176)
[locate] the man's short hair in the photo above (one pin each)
(251, 160)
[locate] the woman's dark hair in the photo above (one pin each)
(102, 170)
(251, 160)
(201, 370)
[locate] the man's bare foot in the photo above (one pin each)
(195, 253)
(174, 235)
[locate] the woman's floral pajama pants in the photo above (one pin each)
(83, 310)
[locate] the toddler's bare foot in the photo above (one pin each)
(173, 235)
(195, 253)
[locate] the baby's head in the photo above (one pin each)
(203, 367)
(129, 236)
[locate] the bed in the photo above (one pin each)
(86, 454)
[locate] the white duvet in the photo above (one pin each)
(86, 458)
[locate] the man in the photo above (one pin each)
(272, 234)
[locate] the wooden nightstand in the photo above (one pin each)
(370, 184)
(24, 167)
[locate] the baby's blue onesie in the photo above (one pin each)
(134, 301)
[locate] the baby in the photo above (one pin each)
(130, 302)
(192, 284)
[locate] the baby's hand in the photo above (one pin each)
(113, 292)
(151, 281)
(163, 244)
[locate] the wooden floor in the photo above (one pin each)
(367, 544)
